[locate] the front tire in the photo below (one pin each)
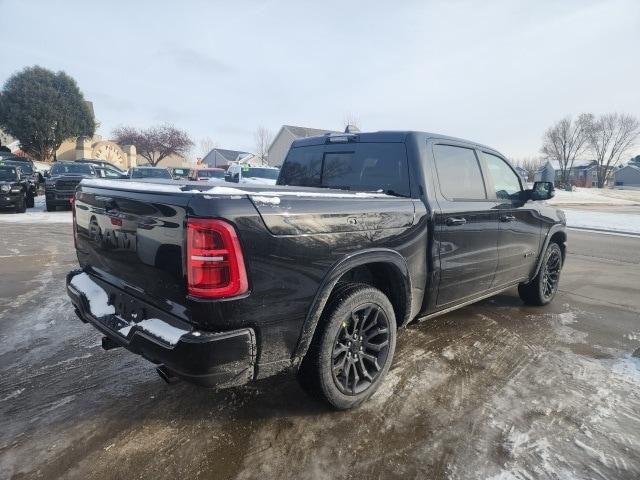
(31, 201)
(543, 288)
(352, 348)
(51, 208)
(22, 206)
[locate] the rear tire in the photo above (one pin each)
(31, 202)
(543, 288)
(352, 348)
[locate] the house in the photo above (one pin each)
(583, 173)
(627, 176)
(220, 157)
(546, 173)
(282, 141)
(171, 161)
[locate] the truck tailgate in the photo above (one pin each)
(134, 239)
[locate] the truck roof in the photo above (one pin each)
(382, 136)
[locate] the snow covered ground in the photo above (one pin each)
(600, 209)
(606, 221)
(596, 196)
(38, 214)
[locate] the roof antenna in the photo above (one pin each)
(351, 129)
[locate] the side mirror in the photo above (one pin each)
(542, 191)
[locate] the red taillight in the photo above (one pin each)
(72, 201)
(215, 265)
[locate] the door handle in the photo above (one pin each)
(507, 218)
(452, 221)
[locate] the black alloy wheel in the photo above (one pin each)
(360, 349)
(352, 347)
(551, 274)
(543, 288)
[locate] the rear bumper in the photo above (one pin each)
(210, 359)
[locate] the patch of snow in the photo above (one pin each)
(595, 196)
(286, 193)
(220, 190)
(124, 331)
(258, 181)
(633, 336)
(160, 329)
(37, 214)
(566, 318)
(614, 222)
(448, 353)
(97, 297)
(11, 395)
(151, 187)
(269, 200)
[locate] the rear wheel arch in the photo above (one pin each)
(383, 269)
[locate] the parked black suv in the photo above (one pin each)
(33, 177)
(62, 181)
(15, 190)
(362, 234)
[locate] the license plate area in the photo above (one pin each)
(128, 310)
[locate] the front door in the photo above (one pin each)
(466, 226)
(520, 226)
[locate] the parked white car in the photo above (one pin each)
(253, 175)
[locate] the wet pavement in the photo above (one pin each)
(495, 390)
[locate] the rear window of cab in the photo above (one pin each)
(355, 166)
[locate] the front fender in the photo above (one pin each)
(374, 255)
(558, 227)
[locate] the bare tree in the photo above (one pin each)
(610, 136)
(263, 138)
(565, 141)
(530, 165)
(206, 144)
(351, 120)
(155, 143)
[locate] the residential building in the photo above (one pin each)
(171, 161)
(627, 176)
(286, 135)
(221, 158)
(583, 173)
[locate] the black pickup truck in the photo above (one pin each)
(16, 191)
(62, 181)
(362, 234)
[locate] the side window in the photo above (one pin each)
(505, 180)
(459, 173)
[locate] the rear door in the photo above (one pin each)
(520, 226)
(466, 224)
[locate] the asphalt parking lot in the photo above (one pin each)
(495, 390)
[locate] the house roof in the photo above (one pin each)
(304, 132)
(630, 165)
(576, 164)
(228, 155)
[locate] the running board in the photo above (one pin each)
(468, 302)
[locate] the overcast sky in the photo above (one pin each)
(495, 72)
